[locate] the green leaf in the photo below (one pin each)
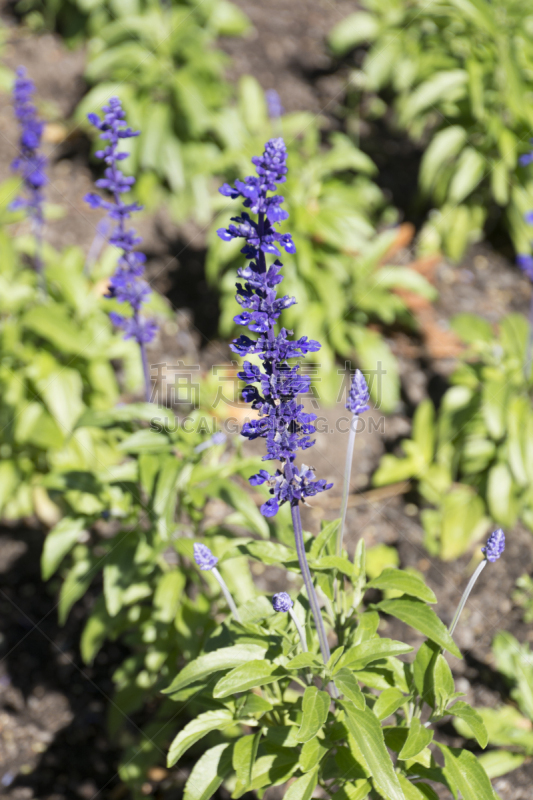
(233, 495)
(417, 614)
(131, 413)
(346, 683)
(312, 752)
(423, 671)
(247, 676)
(472, 719)
(372, 650)
(465, 774)
(443, 684)
(501, 496)
(352, 31)
(315, 708)
(303, 787)
(208, 773)
(368, 734)
(244, 754)
(467, 175)
(417, 791)
(209, 663)
(144, 440)
(195, 730)
(446, 85)
(444, 146)
(74, 586)
(168, 595)
(305, 660)
(51, 322)
(417, 738)
(387, 703)
(59, 542)
(406, 582)
(500, 762)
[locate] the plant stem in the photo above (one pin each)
(226, 593)
(146, 369)
(529, 350)
(466, 593)
(347, 477)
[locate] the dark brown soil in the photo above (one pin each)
(54, 744)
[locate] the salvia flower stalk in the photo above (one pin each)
(358, 398)
(127, 284)
(207, 562)
(30, 163)
(273, 389)
(492, 551)
(282, 603)
(525, 262)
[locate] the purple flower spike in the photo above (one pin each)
(126, 285)
(275, 109)
(282, 602)
(204, 557)
(273, 389)
(495, 545)
(358, 397)
(29, 163)
(525, 262)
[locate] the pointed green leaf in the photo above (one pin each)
(417, 614)
(366, 730)
(303, 787)
(315, 707)
(246, 676)
(465, 774)
(208, 773)
(417, 738)
(196, 730)
(472, 719)
(207, 664)
(371, 650)
(387, 703)
(59, 542)
(244, 754)
(405, 582)
(346, 683)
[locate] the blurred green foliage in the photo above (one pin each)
(507, 726)
(472, 460)
(461, 74)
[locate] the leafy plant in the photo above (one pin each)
(472, 458)
(163, 63)
(507, 726)
(460, 73)
(56, 352)
(339, 272)
(276, 706)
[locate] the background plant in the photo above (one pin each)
(471, 460)
(461, 82)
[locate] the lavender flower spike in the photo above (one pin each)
(29, 162)
(127, 284)
(357, 403)
(282, 602)
(207, 562)
(492, 550)
(495, 545)
(273, 390)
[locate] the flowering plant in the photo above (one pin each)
(281, 710)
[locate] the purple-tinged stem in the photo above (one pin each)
(529, 350)
(347, 479)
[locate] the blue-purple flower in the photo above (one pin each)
(29, 163)
(204, 557)
(495, 545)
(273, 388)
(282, 602)
(358, 397)
(275, 109)
(127, 284)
